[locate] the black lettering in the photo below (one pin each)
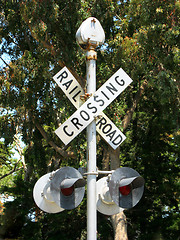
(111, 135)
(95, 108)
(84, 115)
(105, 95)
(122, 80)
(76, 96)
(98, 100)
(107, 128)
(76, 123)
(67, 84)
(115, 142)
(69, 134)
(101, 122)
(62, 75)
(111, 89)
(73, 89)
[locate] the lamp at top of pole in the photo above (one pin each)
(90, 34)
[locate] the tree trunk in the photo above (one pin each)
(114, 158)
(119, 220)
(111, 158)
(120, 226)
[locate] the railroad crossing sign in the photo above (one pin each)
(92, 108)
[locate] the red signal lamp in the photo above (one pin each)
(125, 190)
(67, 191)
(126, 187)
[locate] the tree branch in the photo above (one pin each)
(46, 44)
(12, 171)
(128, 116)
(5, 62)
(59, 150)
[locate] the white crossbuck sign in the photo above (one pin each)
(92, 108)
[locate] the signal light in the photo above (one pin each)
(126, 187)
(42, 195)
(63, 189)
(67, 191)
(125, 190)
(104, 202)
(67, 187)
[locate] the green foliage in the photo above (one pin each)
(142, 37)
(7, 164)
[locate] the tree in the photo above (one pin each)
(142, 37)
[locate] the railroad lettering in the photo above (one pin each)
(101, 122)
(111, 134)
(62, 75)
(120, 83)
(84, 115)
(67, 84)
(73, 89)
(111, 89)
(74, 97)
(92, 107)
(105, 95)
(117, 140)
(69, 134)
(98, 100)
(107, 128)
(76, 123)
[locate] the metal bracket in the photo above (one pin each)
(91, 173)
(98, 172)
(52, 175)
(91, 55)
(85, 96)
(97, 117)
(105, 172)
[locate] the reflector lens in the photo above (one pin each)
(125, 190)
(67, 191)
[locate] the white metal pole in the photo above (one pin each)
(91, 57)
